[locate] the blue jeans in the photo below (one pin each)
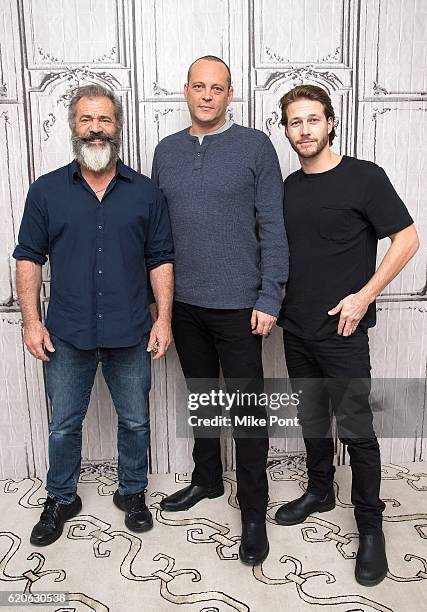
(70, 374)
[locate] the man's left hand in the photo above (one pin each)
(262, 323)
(352, 309)
(161, 333)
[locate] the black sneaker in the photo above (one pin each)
(138, 517)
(52, 519)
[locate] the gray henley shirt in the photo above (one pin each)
(217, 192)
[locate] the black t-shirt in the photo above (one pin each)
(334, 220)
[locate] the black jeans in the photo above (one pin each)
(206, 338)
(334, 375)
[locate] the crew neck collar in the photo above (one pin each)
(336, 168)
(226, 127)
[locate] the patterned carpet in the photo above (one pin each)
(189, 561)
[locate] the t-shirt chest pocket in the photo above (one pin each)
(335, 223)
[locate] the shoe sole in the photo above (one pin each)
(260, 560)
(188, 506)
(327, 508)
(57, 535)
(369, 583)
(139, 529)
(132, 528)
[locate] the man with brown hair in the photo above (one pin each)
(336, 209)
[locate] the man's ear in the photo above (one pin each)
(330, 124)
(230, 95)
(186, 90)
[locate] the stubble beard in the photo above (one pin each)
(305, 154)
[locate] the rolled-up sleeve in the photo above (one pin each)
(159, 243)
(33, 237)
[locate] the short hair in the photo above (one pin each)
(211, 58)
(311, 92)
(95, 91)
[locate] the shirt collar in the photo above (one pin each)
(224, 128)
(122, 171)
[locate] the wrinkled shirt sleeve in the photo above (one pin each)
(33, 237)
(159, 244)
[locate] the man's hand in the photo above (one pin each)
(161, 333)
(37, 340)
(262, 323)
(352, 309)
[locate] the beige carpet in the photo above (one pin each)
(189, 561)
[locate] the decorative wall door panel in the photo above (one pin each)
(393, 34)
(369, 55)
(392, 111)
(74, 33)
(394, 138)
(176, 32)
(10, 55)
(17, 439)
(301, 32)
(396, 343)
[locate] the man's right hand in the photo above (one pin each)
(37, 339)
(161, 332)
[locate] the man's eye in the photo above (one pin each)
(314, 120)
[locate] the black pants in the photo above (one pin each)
(206, 338)
(334, 375)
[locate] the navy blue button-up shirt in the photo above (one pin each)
(99, 253)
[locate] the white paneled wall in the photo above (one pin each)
(369, 54)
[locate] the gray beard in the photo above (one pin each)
(93, 157)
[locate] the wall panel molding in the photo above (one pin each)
(368, 54)
(395, 48)
(300, 32)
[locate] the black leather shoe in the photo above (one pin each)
(52, 519)
(254, 546)
(138, 517)
(296, 511)
(186, 498)
(371, 560)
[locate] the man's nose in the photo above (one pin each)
(95, 126)
(207, 95)
(305, 127)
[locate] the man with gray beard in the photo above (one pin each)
(103, 226)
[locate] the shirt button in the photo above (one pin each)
(99, 292)
(99, 249)
(99, 271)
(100, 316)
(198, 153)
(99, 226)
